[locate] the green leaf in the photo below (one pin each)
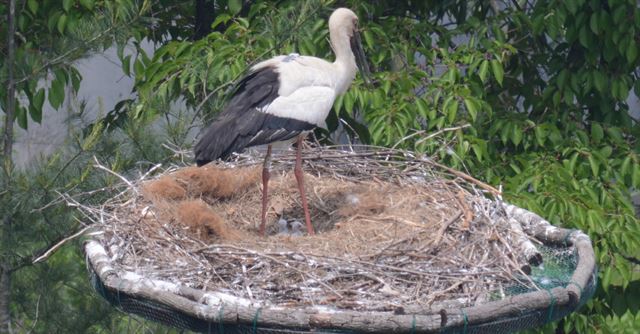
(572, 6)
(635, 176)
(540, 134)
(553, 26)
(516, 135)
(21, 117)
(556, 98)
(498, 71)
(472, 108)
(126, 65)
(451, 75)
(600, 81)
(38, 100)
(593, 23)
(339, 102)
(624, 167)
(75, 80)
(423, 110)
(61, 74)
(222, 18)
(597, 133)
(572, 162)
(235, 6)
(56, 92)
(583, 36)
(368, 38)
(36, 114)
(452, 111)
(138, 67)
(62, 23)
(349, 101)
(386, 86)
(484, 69)
(562, 78)
(88, 4)
(632, 50)
(66, 5)
(618, 15)
(606, 151)
(606, 279)
(33, 6)
(595, 167)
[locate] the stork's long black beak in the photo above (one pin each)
(361, 60)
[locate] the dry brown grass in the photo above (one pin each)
(178, 198)
(222, 204)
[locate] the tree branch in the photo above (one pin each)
(633, 260)
(10, 106)
(55, 247)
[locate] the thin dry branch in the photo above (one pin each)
(55, 247)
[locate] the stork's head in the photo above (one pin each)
(344, 24)
(343, 19)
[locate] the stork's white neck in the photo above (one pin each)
(345, 63)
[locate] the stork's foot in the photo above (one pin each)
(266, 174)
(300, 178)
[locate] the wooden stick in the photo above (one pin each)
(465, 177)
(444, 227)
(55, 247)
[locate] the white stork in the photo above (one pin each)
(283, 98)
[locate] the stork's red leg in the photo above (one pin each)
(265, 191)
(300, 178)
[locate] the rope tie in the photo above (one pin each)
(572, 282)
(220, 322)
(255, 321)
(120, 283)
(565, 241)
(551, 305)
(466, 322)
(413, 325)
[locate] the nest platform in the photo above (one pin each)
(403, 245)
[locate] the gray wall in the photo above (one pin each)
(103, 85)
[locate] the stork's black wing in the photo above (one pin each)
(242, 123)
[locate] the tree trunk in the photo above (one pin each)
(5, 287)
(10, 106)
(205, 14)
(5, 225)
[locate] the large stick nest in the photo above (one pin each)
(395, 232)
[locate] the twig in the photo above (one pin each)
(455, 128)
(465, 177)
(35, 320)
(124, 179)
(468, 214)
(59, 244)
(444, 227)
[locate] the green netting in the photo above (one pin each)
(559, 263)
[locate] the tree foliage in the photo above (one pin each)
(529, 95)
(49, 37)
(542, 86)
